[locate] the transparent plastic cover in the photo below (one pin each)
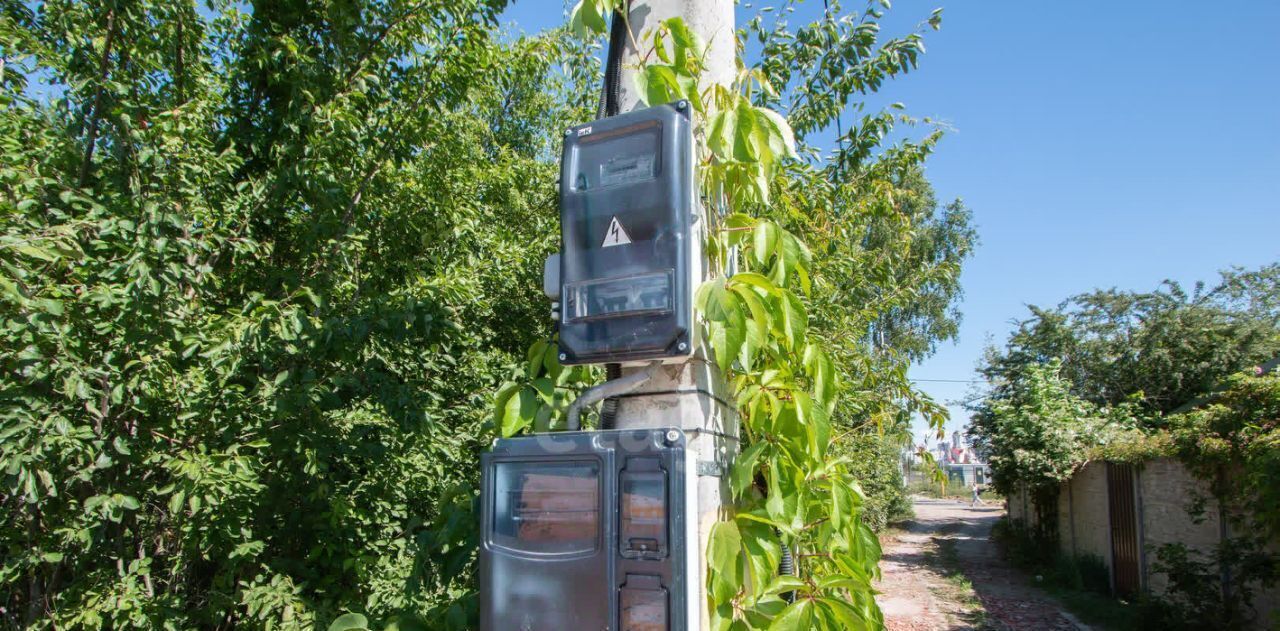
(643, 530)
(544, 507)
(644, 294)
(618, 157)
(644, 605)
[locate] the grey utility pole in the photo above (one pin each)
(608, 528)
(692, 395)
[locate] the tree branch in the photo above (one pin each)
(104, 70)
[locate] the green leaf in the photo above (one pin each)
(350, 622)
(776, 503)
(778, 135)
(720, 140)
(739, 227)
(816, 423)
(744, 468)
(764, 553)
(723, 549)
(500, 400)
(796, 617)
(519, 412)
(660, 46)
(755, 306)
(795, 319)
(756, 280)
(845, 614)
(745, 133)
(534, 359)
(545, 389)
(783, 583)
(688, 88)
(587, 19)
(822, 373)
(766, 242)
(407, 623)
(50, 306)
(840, 505)
(726, 321)
(175, 502)
(688, 45)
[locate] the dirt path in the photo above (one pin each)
(943, 573)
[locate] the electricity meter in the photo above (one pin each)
(586, 530)
(627, 264)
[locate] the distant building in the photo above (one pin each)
(957, 460)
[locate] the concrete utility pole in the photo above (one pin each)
(710, 19)
(691, 395)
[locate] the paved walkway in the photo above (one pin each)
(943, 573)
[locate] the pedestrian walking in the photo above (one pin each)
(976, 499)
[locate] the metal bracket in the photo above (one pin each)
(710, 468)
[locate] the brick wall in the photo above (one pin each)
(1087, 492)
(1164, 493)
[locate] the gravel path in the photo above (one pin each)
(943, 573)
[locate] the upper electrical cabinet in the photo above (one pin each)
(627, 239)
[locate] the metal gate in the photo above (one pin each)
(1126, 554)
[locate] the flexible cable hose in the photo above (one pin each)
(609, 409)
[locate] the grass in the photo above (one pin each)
(952, 491)
(956, 587)
(1080, 583)
(1098, 611)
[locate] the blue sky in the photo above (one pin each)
(1099, 144)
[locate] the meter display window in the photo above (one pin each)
(548, 508)
(645, 294)
(614, 158)
(643, 504)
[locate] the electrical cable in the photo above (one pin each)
(609, 408)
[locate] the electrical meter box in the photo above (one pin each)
(627, 215)
(586, 530)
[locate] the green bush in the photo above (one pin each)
(1196, 598)
(877, 467)
(259, 276)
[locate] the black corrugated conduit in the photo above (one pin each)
(787, 567)
(611, 95)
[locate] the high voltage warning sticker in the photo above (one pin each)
(615, 235)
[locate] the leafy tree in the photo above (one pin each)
(1036, 433)
(1165, 347)
(1163, 358)
(1234, 442)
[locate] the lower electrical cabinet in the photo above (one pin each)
(586, 531)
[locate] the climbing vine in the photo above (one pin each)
(789, 487)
